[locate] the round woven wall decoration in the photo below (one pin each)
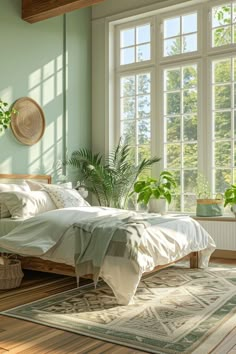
(28, 124)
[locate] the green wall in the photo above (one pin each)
(31, 58)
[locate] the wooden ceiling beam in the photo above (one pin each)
(39, 10)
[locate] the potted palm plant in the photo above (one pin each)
(150, 190)
(109, 179)
(230, 198)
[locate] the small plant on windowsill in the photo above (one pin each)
(206, 205)
(230, 198)
(150, 190)
(5, 115)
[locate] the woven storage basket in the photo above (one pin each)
(11, 274)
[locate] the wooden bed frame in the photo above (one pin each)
(38, 264)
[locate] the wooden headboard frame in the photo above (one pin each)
(17, 177)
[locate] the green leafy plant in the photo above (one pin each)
(155, 188)
(5, 115)
(110, 179)
(230, 195)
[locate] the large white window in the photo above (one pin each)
(175, 82)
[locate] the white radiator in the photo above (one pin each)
(222, 232)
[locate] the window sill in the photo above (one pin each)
(214, 218)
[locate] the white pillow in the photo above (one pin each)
(26, 204)
(6, 187)
(65, 198)
(34, 185)
(37, 186)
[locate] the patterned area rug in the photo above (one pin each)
(177, 310)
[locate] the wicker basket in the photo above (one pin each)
(10, 274)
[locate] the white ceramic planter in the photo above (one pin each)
(233, 209)
(159, 206)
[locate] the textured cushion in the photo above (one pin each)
(65, 198)
(26, 204)
(6, 187)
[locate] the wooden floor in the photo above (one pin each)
(17, 336)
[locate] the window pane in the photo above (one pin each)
(222, 180)
(128, 108)
(222, 96)
(172, 46)
(172, 80)
(222, 125)
(171, 27)
(223, 154)
(127, 86)
(234, 12)
(234, 124)
(128, 132)
(173, 125)
(143, 52)
(190, 77)
(143, 106)
(127, 37)
(144, 152)
(175, 204)
(144, 83)
(235, 153)
(190, 127)
(190, 155)
(222, 71)
(173, 103)
(189, 23)
(127, 56)
(173, 155)
(190, 180)
(190, 101)
(221, 15)
(189, 43)
(144, 131)
(189, 203)
(143, 34)
(221, 36)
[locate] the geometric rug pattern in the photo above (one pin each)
(176, 310)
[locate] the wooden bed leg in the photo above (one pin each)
(194, 260)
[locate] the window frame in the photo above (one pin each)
(156, 66)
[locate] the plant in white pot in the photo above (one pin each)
(230, 198)
(155, 193)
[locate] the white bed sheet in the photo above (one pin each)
(8, 224)
(167, 242)
(162, 244)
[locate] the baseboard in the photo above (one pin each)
(224, 254)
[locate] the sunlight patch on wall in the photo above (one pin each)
(7, 95)
(34, 82)
(6, 165)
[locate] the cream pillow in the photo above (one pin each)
(65, 198)
(6, 187)
(37, 186)
(26, 204)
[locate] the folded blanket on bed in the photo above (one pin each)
(113, 235)
(117, 236)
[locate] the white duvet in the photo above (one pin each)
(51, 237)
